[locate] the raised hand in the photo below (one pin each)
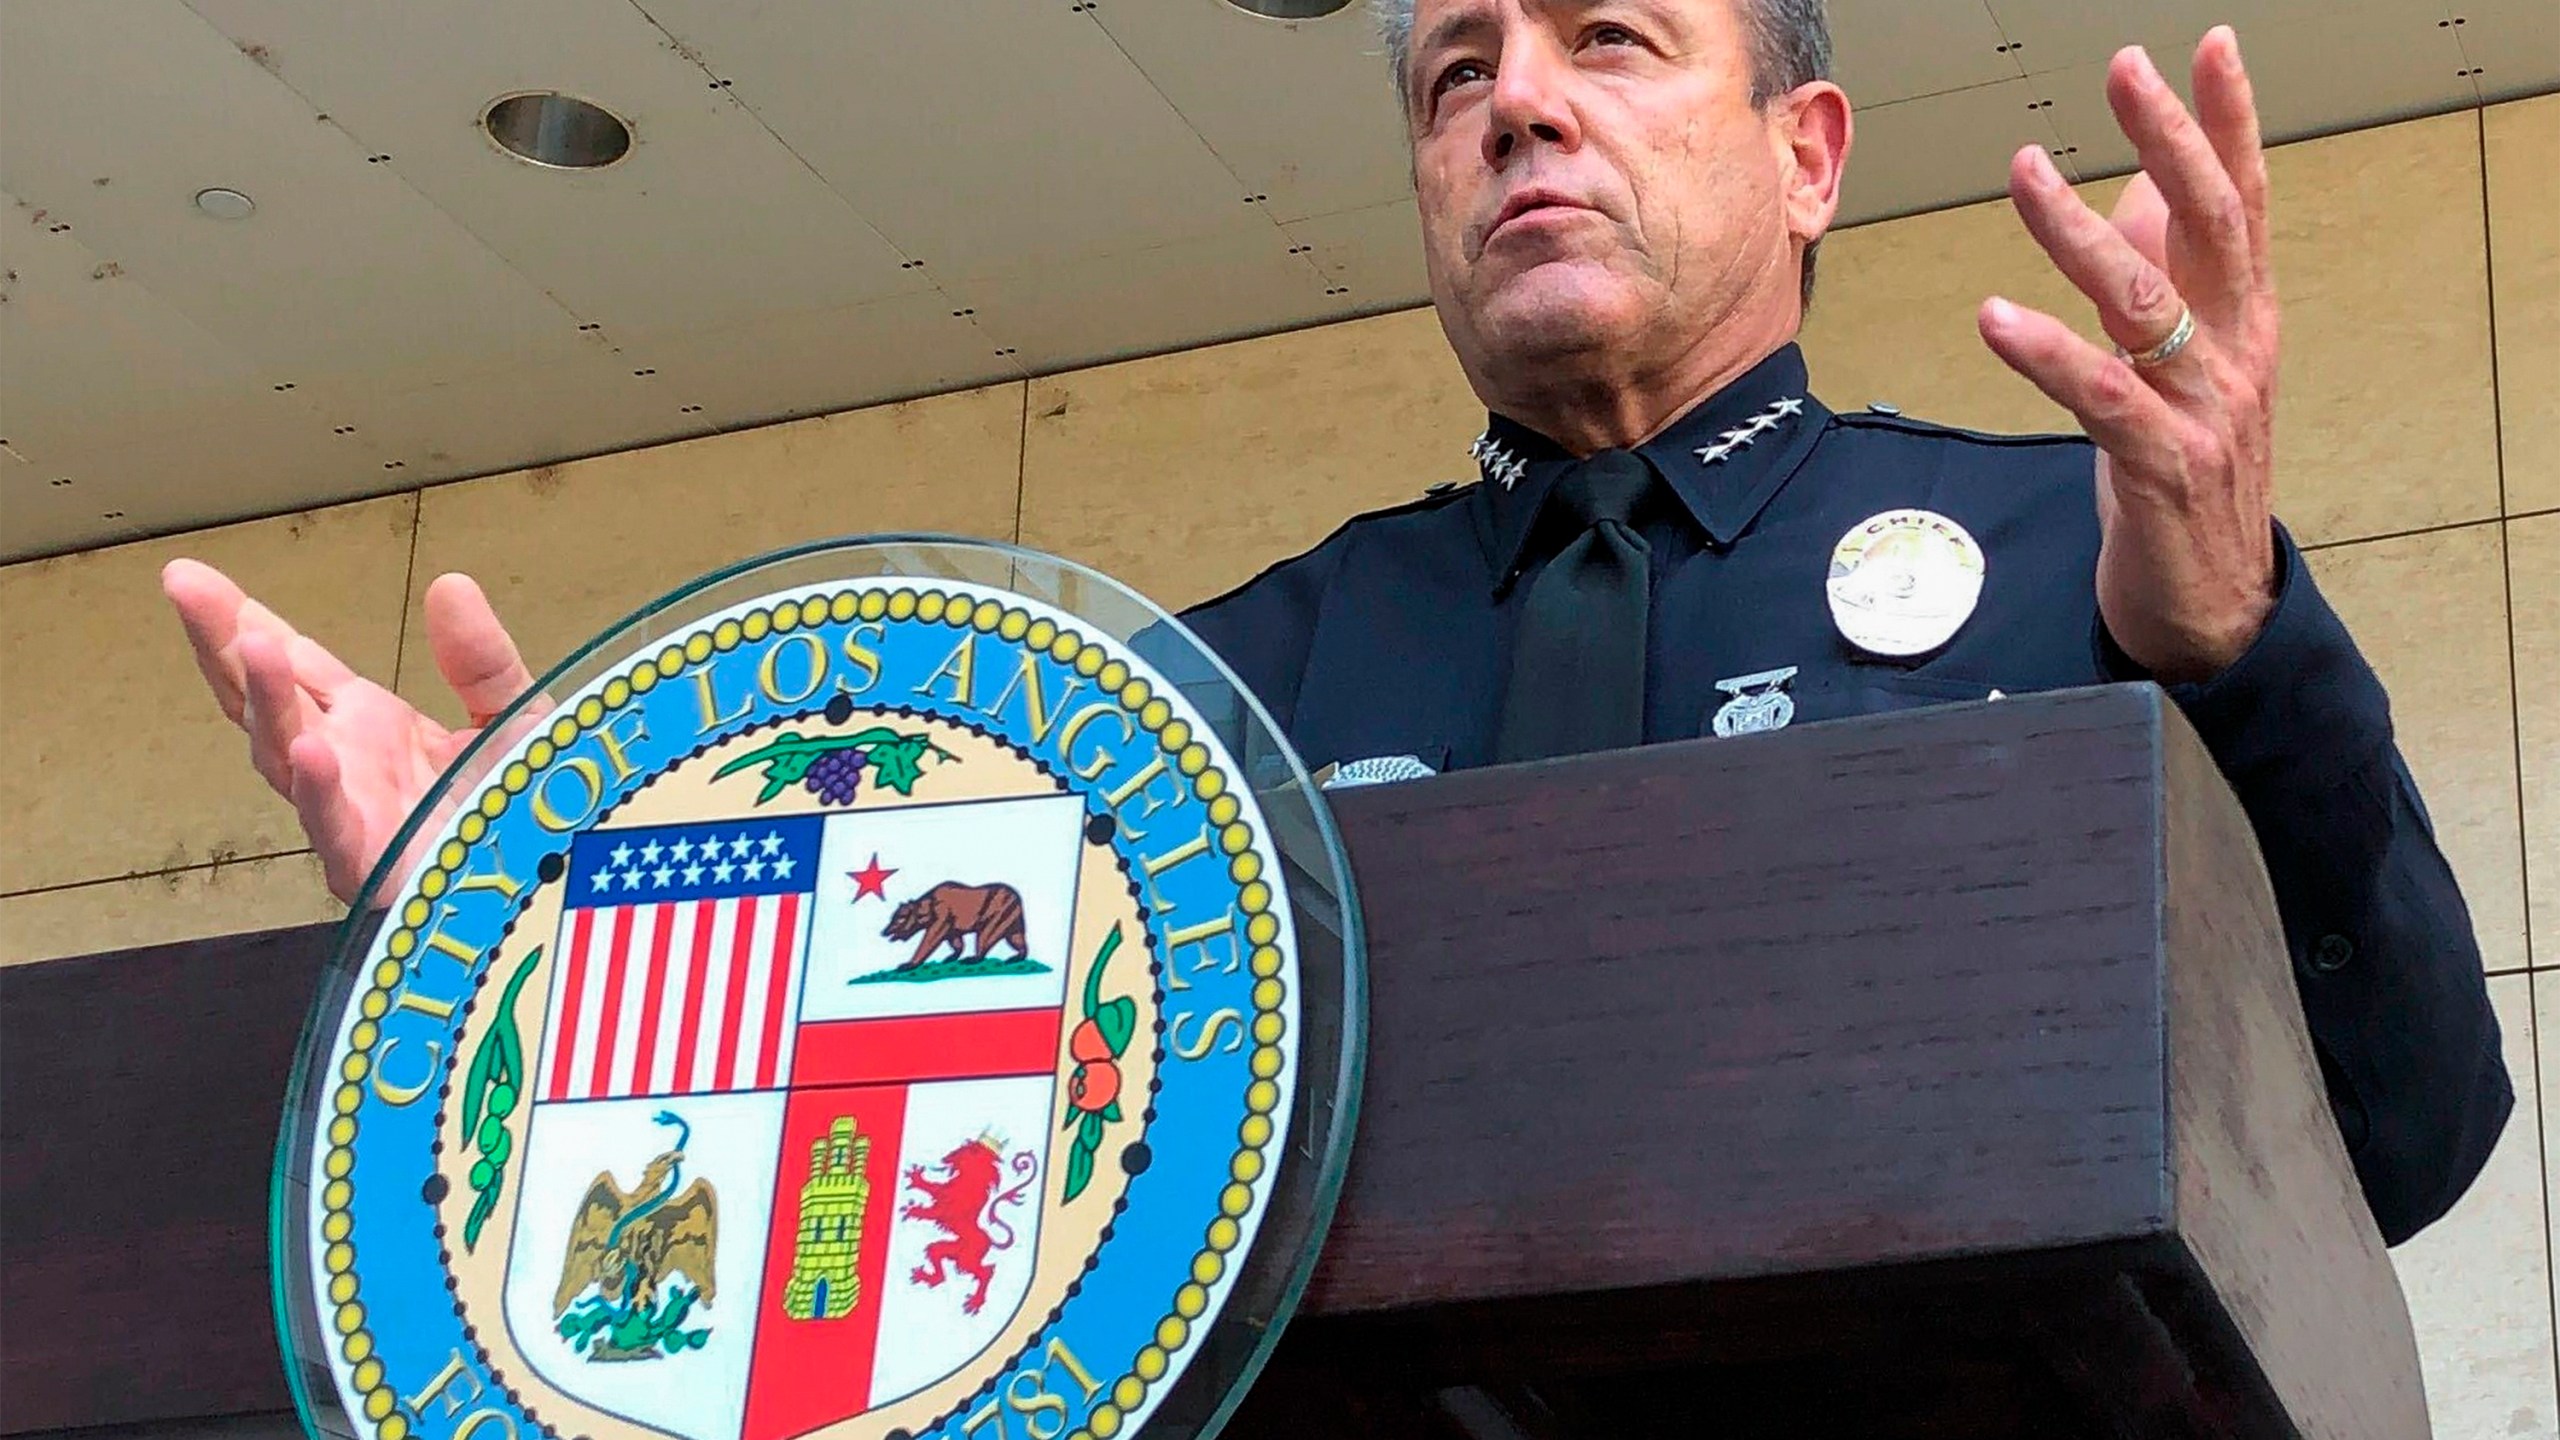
(353, 757)
(2182, 410)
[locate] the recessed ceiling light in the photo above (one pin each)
(224, 204)
(559, 131)
(1290, 9)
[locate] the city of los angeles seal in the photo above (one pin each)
(868, 1011)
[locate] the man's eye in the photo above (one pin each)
(1465, 72)
(1612, 35)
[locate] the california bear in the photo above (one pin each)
(951, 913)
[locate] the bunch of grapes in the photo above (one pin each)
(835, 776)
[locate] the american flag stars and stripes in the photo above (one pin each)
(679, 956)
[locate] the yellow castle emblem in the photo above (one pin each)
(825, 1281)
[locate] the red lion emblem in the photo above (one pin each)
(965, 1205)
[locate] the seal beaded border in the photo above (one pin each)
(1187, 756)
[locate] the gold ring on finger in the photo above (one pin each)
(2167, 350)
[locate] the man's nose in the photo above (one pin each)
(1531, 100)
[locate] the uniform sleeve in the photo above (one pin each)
(2382, 944)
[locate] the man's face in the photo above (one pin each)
(1596, 185)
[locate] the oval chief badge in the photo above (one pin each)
(865, 1003)
(1904, 582)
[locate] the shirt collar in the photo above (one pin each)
(1725, 459)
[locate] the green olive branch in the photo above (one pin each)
(489, 1094)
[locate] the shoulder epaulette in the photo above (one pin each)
(1437, 497)
(1433, 496)
(1894, 420)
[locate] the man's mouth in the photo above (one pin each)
(1530, 202)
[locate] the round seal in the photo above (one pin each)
(1903, 582)
(867, 1009)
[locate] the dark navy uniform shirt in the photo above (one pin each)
(1392, 638)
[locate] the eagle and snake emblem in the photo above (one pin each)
(623, 1291)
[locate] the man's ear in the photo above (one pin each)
(1814, 129)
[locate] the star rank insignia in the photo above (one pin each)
(1498, 462)
(1742, 436)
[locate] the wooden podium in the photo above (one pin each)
(1936, 1074)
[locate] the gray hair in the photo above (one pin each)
(1790, 46)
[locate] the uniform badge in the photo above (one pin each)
(1756, 703)
(774, 1037)
(1904, 582)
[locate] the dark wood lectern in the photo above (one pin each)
(1937, 1074)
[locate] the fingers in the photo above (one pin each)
(274, 710)
(473, 651)
(2183, 162)
(328, 816)
(316, 670)
(2227, 107)
(2142, 218)
(2136, 303)
(219, 617)
(2128, 419)
(208, 605)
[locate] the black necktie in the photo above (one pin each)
(1577, 664)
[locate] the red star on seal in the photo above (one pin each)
(871, 879)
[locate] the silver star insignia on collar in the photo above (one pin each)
(1496, 460)
(1741, 437)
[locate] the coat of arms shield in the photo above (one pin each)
(869, 1008)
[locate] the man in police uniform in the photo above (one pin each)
(1621, 202)
(1673, 537)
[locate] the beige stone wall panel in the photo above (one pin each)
(120, 763)
(2478, 1280)
(2533, 570)
(564, 550)
(2385, 416)
(2522, 147)
(1184, 475)
(165, 909)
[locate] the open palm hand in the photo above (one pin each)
(354, 758)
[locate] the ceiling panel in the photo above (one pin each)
(2057, 37)
(2514, 43)
(74, 328)
(1889, 50)
(2368, 62)
(674, 386)
(980, 137)
(817, 188)
(1373, 255)
(1939, 150)
(709, 220)
(1303, 111)
(342, 265)
(528, 413)
(169, 476)
(37, 518)
(47, 504)
(185, 458)
(123, 417)
(820, 361)
(1112, 307)
(2317, 65)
